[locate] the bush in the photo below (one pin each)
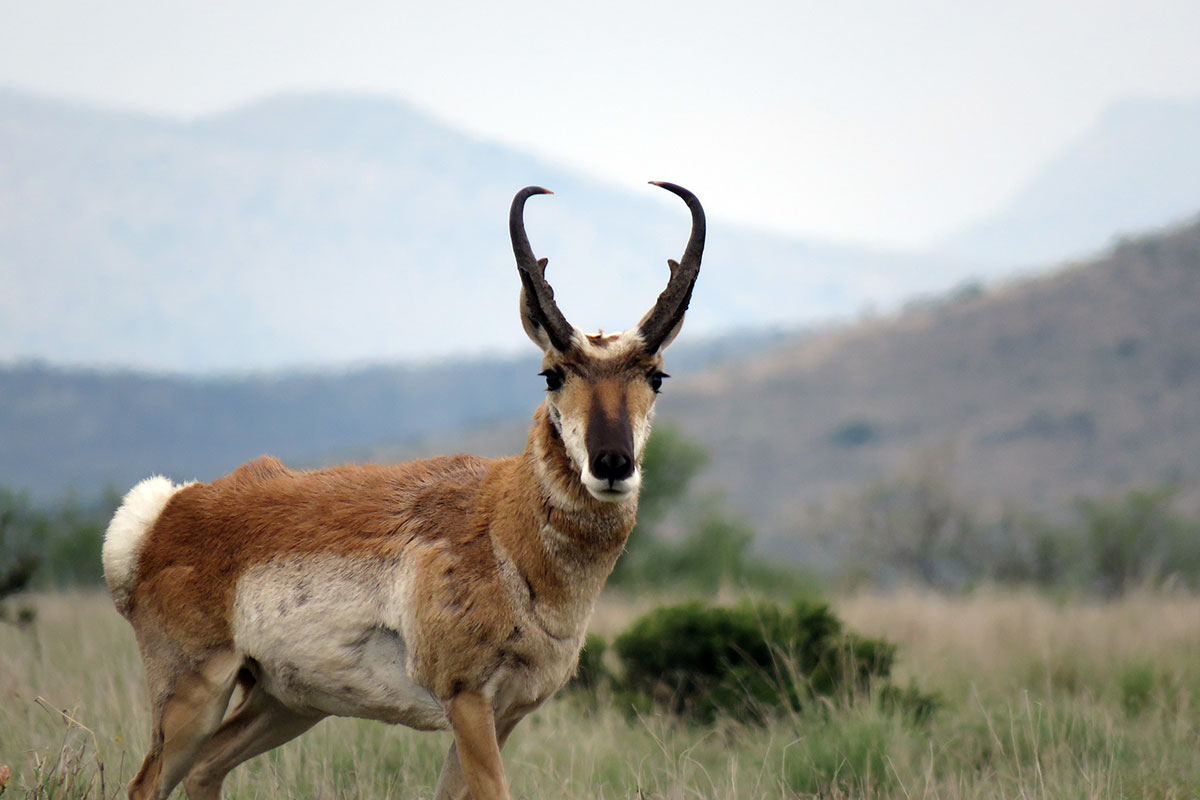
(716, 548)
(19, 530)
(699, 661)
(670, 463)
(1138, 540)
(919, 526)
(57, 546)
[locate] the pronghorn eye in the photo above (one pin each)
(656, 379)
(554, 379)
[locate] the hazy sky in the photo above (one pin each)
(877, 121)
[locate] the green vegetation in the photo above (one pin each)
(752, 662)
(1038, 698)
(1077, 680)
(50, 547)
(18, 529)
(919, 527)
(714, 549)
(45, 548)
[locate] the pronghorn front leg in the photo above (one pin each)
(474, 758)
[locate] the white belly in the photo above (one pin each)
(329, 637)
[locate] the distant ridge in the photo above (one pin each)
(1136, 168)
(80, 430)
(1084, 382)
(318, 230)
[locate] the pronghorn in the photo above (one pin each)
(451, 593)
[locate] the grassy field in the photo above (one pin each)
(1039, 699)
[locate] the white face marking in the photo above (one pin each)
(610, 491)
(641, 435)
(574, 430)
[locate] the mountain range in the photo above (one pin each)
(1082, 382)
(320, 230)
(346, 232)
(1137, 168)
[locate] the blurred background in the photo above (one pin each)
(947, 329)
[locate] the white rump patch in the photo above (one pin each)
(123, 539)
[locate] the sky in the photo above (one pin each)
(867, 121)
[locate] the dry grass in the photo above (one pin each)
(999, 641)
(1041, 699)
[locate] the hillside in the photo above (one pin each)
(1083, 382)
(320, 230)
(1136, 168)
(74, 430)
(1080, 383)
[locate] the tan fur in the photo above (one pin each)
(450, 593)
(456, 520)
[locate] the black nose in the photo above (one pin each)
(610, 465)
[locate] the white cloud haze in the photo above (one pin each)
(873, 121)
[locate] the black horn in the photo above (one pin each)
(539, 296)
(668, 311)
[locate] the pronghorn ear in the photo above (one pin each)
(674, 330)
(530, 319)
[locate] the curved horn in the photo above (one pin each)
(667, 313)
(539, 296)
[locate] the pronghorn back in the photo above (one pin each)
(211, 534)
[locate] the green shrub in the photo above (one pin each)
(74, 536)
(1139, 539)
(716, 548)
(50, 546)
(20, 526)
(699, 661)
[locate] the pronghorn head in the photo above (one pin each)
(601, 387)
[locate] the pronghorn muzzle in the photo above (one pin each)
(609, 442)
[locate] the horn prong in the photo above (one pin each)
(673, 302)
(539, 295)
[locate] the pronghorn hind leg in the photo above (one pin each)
(259, 723)
(186, 713)
(477, 723)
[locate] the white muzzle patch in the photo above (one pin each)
(573, 436)
(609, 491)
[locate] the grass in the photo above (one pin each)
(1041, 698)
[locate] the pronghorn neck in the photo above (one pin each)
(593, 526)
(570, 542)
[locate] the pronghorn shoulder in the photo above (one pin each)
(257, 470)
